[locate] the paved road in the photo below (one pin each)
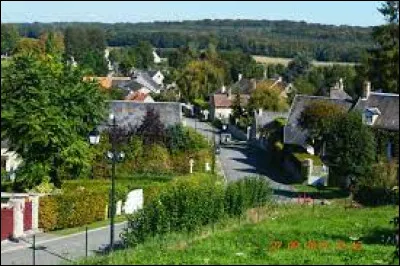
(240, 160)
(56, 250)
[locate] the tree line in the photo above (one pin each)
(262, 37)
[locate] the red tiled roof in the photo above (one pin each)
(222, 100)
(136, 97)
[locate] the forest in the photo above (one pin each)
(257, 37)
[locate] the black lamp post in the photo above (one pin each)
(114, 157)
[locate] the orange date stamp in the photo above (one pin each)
(315, 245)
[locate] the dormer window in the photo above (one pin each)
(370, 115)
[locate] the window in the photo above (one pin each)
(368, 118)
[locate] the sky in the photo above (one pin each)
(355, 13)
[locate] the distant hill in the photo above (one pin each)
(258, 37)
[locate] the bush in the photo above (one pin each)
(376, 188)
(80, 207)
(247, 193)
(185, 205)
(189, 203)
(48, 213)
(156, 160)
(217, 123)
(75, 207)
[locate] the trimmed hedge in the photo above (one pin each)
(70, 209)
(188, 204)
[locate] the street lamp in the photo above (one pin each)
(94, 138)
(114, 157)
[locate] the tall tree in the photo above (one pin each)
(53, 43)
(350, 146)
(267, 98)
(383, 61)
(9, 38)
(47, 112)
(299, 66)
(317, 118)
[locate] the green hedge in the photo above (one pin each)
(72, 208)
(374, 196)
(188, 204)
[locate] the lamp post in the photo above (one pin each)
(114, 157)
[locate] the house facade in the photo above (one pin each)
(10, 161)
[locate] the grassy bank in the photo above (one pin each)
(284, 235)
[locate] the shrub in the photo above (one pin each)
(48, 213)
(186, 204)
(156, 159)
(247, 193)
(376, 188)
(189, 203)
(80, 207)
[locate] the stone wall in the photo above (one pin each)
(128, 112)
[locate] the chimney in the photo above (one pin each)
(223, 89)
(253, 84)
(366, 90)
(341, 87)
(240, 77)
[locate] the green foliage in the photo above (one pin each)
(9, 38)
(48, 213)
(377, 187)
(247, 193)
(317, 118)
(86, 45)
(284, 224)
(115, 94)
(44, 187)
(350, 146)
(151, 129)
(72, 208)
(267, 98)
(188, 204)
(185, 205)
(240, 63)
(47, 112)
(382, 64)
(299, 66)
(199, 79)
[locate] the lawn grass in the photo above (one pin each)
(285, 225)
(69, 231)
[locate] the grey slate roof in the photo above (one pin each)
(293, 133)
(339, 94)
(388, 105)
(244, 86)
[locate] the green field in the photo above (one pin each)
(285, 61)
(284, 235)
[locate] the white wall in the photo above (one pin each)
(222, 113)
(12, 159)
(158, 78)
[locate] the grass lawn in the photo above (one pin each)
(285, 234)
(69, 231)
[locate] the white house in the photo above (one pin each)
(10, 160)
(157, 59)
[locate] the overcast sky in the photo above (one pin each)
(359, 13)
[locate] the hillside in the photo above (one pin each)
(257, 37)
(286, 235)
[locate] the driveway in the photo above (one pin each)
(239, 160)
